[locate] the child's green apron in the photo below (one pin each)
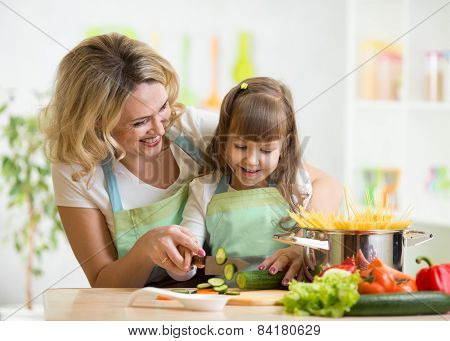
(243, 222)
(132, 224)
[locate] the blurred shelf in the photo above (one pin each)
(402, 105)
(432, 106)
(379, 105)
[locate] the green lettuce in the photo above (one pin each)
(330, 295)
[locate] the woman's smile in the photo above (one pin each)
(151, 142)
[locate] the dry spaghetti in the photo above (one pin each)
(374, 217)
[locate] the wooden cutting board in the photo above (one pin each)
(257, 297)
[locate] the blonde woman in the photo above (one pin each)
(123, 154)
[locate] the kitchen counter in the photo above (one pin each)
(110, 304)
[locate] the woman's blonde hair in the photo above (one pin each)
(92, 84)
(261, 110)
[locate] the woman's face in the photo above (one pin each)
(141, 125)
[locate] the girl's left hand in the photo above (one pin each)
(292, 260)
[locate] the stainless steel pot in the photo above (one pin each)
(331, 247)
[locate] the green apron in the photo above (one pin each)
(132, 224)
(243, 222)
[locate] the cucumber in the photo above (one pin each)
(233, 293)
(229, 271)
(204, 286)
(258, 280)
(216, 282)
(222, 289)
(221, 256)
(181, 291)
(416, 303)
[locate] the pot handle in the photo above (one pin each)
(291, 239)
(416, 237)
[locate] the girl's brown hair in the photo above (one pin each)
(260, 109)
(92, 84)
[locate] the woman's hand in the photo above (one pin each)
(291, 259)
(171, 247)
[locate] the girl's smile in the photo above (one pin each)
(251, 162)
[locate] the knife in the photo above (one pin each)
(212, 268)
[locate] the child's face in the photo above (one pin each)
(251, 162)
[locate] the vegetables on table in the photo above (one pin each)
(380, 278)
(232, 292)
(204, 286)
(215, 286)
(435, 277)
(349, 264)
(418, 303)
(330, 295)
(221, 289)
(216, 282)
(258, 279)
(209, 291)
(182, 291)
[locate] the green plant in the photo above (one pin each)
(26, 178)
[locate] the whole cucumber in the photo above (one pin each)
(415, 303)
(258, 280)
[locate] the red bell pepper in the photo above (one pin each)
(380, 278)
(348, 264)
(435, 277)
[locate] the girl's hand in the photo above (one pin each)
(165, 245)
(292, 260)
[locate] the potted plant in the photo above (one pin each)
(26, 179)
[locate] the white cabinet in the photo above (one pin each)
(390, 123)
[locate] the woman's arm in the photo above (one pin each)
(327, 194)
(94, 249)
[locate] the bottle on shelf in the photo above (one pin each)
(434, 80)
(446, 90)
(381, 75)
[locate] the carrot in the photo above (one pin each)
(208, 291)
(163, 298)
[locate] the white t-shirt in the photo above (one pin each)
(201, 191)
(198, 125)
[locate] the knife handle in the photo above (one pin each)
(196, 260)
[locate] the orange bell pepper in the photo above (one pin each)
(380, 278)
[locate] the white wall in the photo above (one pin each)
(300, 42)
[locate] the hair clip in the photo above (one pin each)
(244, 86)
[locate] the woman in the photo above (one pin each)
(123, 153)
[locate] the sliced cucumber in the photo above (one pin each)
(221, 256)
(216, 282)
(204, 286)
(258, 280)
(181, 291)
(221, 289)
(229, 270)
(234, 293)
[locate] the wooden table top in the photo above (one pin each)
(111, 304)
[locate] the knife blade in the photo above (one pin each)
(212, 268)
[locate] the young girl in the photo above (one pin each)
(256, 172)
